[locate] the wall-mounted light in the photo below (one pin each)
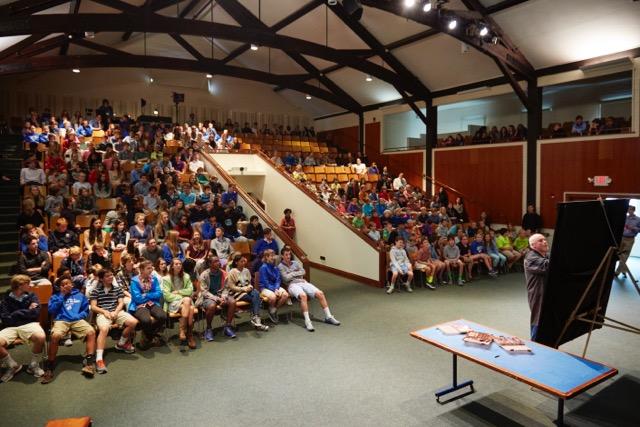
(155, 112)
(254, 46)
(76, 70)
(368, 78)
(209, 76)
(308, 96)
(452, 24)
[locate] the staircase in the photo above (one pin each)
(10, 163)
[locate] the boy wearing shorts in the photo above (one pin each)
(400, 265)
(292, 274)
(107, 301)
(69, 310)
(19, 311)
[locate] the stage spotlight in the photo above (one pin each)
(254, 46)
(494, 40)
(452, 24)
(209, 76)
(369, 78)
(308, 96)
(409, 3)
(484, 31)
(76, 70)
(427, 7)
(332, 2)
(70, 36)
(353, 8)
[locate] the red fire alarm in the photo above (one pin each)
(600, 180)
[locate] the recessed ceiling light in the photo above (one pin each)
(409, 3)
(150, 79)
(209, 76)
(308, 96)
(427, 7)
(155, 112)
(254, 46)
(453, 24)
(369, 78)
(484, 31)
(76, 70)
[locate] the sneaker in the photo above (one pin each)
(332, 321)
(47, 377)
(35, 370)
(89, 370)
(228, 331)
(208, 335)
(257, 323)
(101, 367)
(390, 289)
(430, 286)
(429, 280)
(10, 373)
(126, 347)
(274, 317)
(183, 346)
(460, 282)
(289, 302)
(68, 342)
(407, 285)
(309, 325)
(493, 273)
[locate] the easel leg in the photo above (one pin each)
(454, 386)
(560, 417)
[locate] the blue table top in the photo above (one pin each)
(551, 370)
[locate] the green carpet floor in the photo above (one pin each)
(367, 372)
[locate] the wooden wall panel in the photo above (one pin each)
(411, 164)
(566, 166)
(343, 138)
(490, 177)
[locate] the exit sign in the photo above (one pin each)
(601, 181)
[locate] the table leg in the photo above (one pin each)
(560, 419)
(455, 386)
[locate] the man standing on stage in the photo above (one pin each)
(536, 266)
(631, 229)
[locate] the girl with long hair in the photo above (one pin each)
(177, 290)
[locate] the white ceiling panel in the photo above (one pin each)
(387, 27)
(439, 63)
(354, 83)
(314, 107)
(312, 27)
(551, 32)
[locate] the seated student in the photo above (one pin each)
(521, 243)
(270, 281)
(75, 263)
(497, 259)
(254, 229)
(298, 174)
(230, 219)
(230, 195)
(177, 290)
(94, 234)
(99, 256)
(211, 294)
(69, 310)
(292, 274)
(267, 242)
(35, 263)
(400, 264)
(19, 312)
(238, 285)
(119, 237)
(222, 245)
(208, 227)
(427, 264)
(171, 248)
(30, 231)
(32, 174)
(184, 229)
(198, 250)
(151, 252)
(145, 305)
(107, 302)
(140, 231)
(451, 254)
(479, 253)
(61, 239)
(124, 275)
(503, 242)
(151, 201)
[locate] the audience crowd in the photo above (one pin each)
(124, 223)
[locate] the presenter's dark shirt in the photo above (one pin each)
(536, 267)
